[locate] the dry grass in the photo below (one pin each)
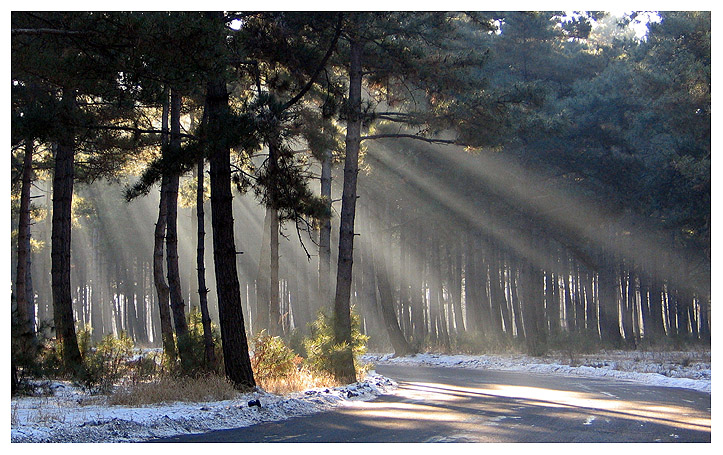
(169, 389)
(296, 381)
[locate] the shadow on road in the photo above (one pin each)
(434, 404)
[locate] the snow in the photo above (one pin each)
(71, 415)
(689, 370)
(68, 414)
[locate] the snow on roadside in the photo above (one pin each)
(70, 415)
(665, 369)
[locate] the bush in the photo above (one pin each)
(573, 344)
(198, 362)
(107, 363)
(279, 369)
(324, 355)
(271, 358)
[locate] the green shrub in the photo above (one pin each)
(272, 358)
(325, 355)
(198, 362)
(107, 363)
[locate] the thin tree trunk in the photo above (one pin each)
(438, 300)
(608, 302)
(23, 292)
(210, 354)
(263, 278)
(497, 295)
(416, 300)
(655, 318)
(344, 370)
(325, 234)
(178, 308)
(471, 287)
(233, 334)
(405, 317)
(513, 286)
(626, 279)
(274, 300)
(454, 260)
(386, 301)
(162, 289)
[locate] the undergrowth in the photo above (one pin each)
(130, 376)
(168, 389)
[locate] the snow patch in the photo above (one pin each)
(70, 415)
(664, 369)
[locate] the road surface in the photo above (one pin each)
(438, 404)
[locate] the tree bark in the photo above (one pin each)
(344, 370)
(263, 278)
(210, 354)
(454, 258)
(60, 244)
(325, 233)
(23, 293)
(608, 303)
(274, 300)
(174, 277)
(162, 289)
(531, 295)
(233, 334)
(386, 303)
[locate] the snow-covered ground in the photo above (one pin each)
(69, 415)
(689, 370)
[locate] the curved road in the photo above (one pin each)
(438, 404)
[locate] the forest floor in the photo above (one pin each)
(68, 414)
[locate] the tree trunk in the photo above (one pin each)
(655, 330)
(60, 245)
(627, 280)
(325, 234)
(590, 306)
(497, 295)
(552, 303)
(404, 297)
(608, 303)
(454, 260)
(233, 334)
(438, 299)
(513, 284)
(210, 354)
(386, 303)
(162, 289)
(416, 299)
(344, 370)
(263, 279)
(471, 288)
(23, 292)
(174, 277)
(274, 301)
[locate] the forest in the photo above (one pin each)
(456, 182)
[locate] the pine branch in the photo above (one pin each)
(46, 31)
(131, 129)
(319, 69)
(411, 136)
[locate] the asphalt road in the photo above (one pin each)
(437, 404)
